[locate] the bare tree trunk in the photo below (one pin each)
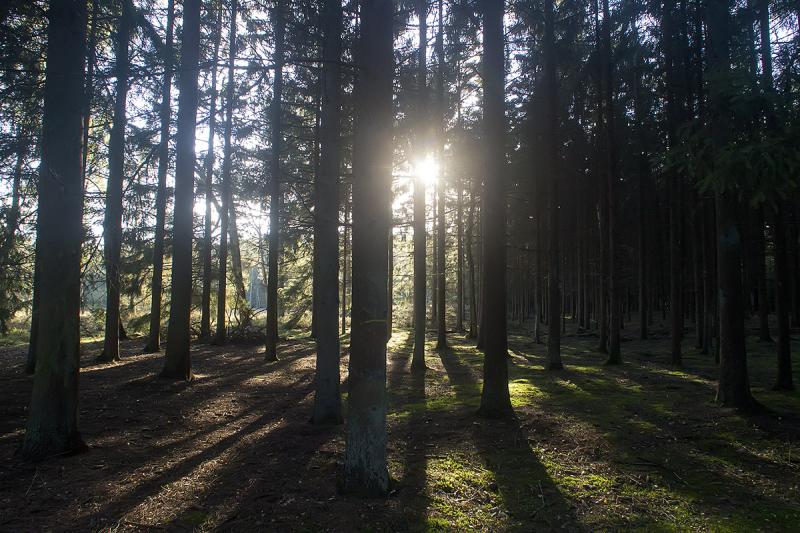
(365, 468)
(420, 245)
(156, 287)
(112, 223)
(551, 157)
(225, 193)
(327, 397)
(345, 257)
(52, 426)
(495, 398)
(441, 227)
(473, 290)
(205, 300)
(275, 196)
(734, 384)
(177, 364)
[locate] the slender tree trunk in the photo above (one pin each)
(600, 171)
(734, 385)
(52, 426)
(327, 397)
(154, 335)
(236, 264)
(205, 300)
(345, 257)
(761, 277)
(177, 363)
(551, 166)
(365, 468)
(495, 398)
(225, 193)
(441, 226)
(275, 197)
(460, 258)
(420, 245)
(473, 292)
(782, 299)
(112, 223)
(12, 224)
(390, 285)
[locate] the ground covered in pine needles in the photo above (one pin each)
(639, 446)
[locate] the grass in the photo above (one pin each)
(640, 446)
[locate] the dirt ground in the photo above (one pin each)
(639, 446)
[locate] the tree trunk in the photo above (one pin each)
(495, 398)
(420, 245)
(441, 227)
(205, 300)
(460, 258)
(112, 223)
(52, 426)
(225, 193)
(473, 292)
(327, 397)
(782, 299)
(345, 257)
(154, 335)
(177, 363)
(551, 167)
(275, 197)
(365, 468)
(734, 385)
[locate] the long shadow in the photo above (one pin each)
(650, 417)
(529, 493)
(408, 404)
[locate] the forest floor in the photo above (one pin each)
(638, 446)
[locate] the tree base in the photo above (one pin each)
(175, 375)
(41, 447)
(103, 358)
(151, 349)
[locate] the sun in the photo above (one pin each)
(427, 170)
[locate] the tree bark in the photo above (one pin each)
(154, 335)
(221, 333)
(275, 196)
(441, 226)
(495, 398)
(177, 363)
(365, 468)
(327, 397)
(112, 223)
(733, 389)
(52, 426)
(205, 300)
(551, 158)
(420, 244)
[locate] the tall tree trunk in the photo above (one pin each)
(784, 378)
(327, 397)
(420, 245)
(761, 276)
(615, 309)
(390, 285)
(236, 264)
(460, 258)
(495, 398)
(12, 223)
(154, 335)
(177, 363)
(112, 223)
(441, 226)
(643, 182)
(600, 172)
(205, 300)
(551, 167)
(734, 384)
(345, 256)
(365, 468)
(675, 114)
(275, 197)
(473, 290)
(225, 192)
(52, 426)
